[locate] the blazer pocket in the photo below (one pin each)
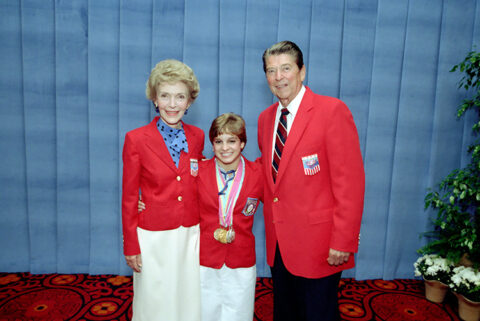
(159, 216)
(319, 216)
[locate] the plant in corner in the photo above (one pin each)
(466, 281)
(434, 268)
(456, 200)
(436, 272)
(465, 284)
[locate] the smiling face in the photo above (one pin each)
(227, 149)
(283, 77)
(172, 102)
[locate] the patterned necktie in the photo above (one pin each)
(280, 139)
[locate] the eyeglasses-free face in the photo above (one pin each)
(227, 149)
(283, 77)
(172, 102)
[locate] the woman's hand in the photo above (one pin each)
(135, 262)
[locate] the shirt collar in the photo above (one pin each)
(164, 128)
(295, 103)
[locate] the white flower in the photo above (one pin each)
(431, 265)
(466, 277)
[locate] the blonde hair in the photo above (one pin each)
(228, 123)
(172, 71)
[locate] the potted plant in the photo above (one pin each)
(436, 272)
(456, 200)
(465, 284)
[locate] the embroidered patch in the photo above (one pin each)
(194, 166)
(250, 207)
(311, 165)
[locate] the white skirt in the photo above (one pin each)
(168, 287)
(228, 294)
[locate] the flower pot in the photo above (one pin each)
(465, 260)
(435, 291)
(468, 310)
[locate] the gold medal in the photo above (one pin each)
(220, 235)
(224, 236)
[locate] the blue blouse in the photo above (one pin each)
(175, 140)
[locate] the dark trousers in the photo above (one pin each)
(301, 299)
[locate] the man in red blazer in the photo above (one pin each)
(313, 193)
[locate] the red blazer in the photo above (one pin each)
(170, 192)
(309, 214)
(241, 252)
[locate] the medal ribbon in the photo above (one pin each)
(228, 193)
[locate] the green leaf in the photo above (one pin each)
(456, 199)
(452, 199)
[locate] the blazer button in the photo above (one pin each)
(275, 199)
(178, 178)
(179, 198)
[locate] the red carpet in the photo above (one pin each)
(24, 296)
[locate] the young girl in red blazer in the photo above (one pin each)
(230, 189)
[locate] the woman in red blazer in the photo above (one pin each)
(160, 162)
(230, 188)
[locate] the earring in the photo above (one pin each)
(186, 112)
(156, 107)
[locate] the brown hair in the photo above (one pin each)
(284, 47)
(228, 123)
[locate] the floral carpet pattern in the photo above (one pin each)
(25, 296)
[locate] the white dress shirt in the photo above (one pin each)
(292, 112)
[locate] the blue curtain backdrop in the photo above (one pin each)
(72, 82)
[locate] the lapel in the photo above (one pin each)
(157, 146)
(245, 185)
(209, 178)
(192, 139)
(296, 132)
(269, 128)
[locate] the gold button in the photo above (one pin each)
(179, 198)
(275, 199)
(178, 178)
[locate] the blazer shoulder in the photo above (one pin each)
(333, 102)
(255, 166)
(194, 132)
(206, 163)
(193, 128)
(310, 96)
(255, 171)
(254, 177)
(270, 109)
(139, 131)
(326, 104)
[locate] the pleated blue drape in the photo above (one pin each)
(72, 83)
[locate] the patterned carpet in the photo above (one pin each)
(53, 297)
